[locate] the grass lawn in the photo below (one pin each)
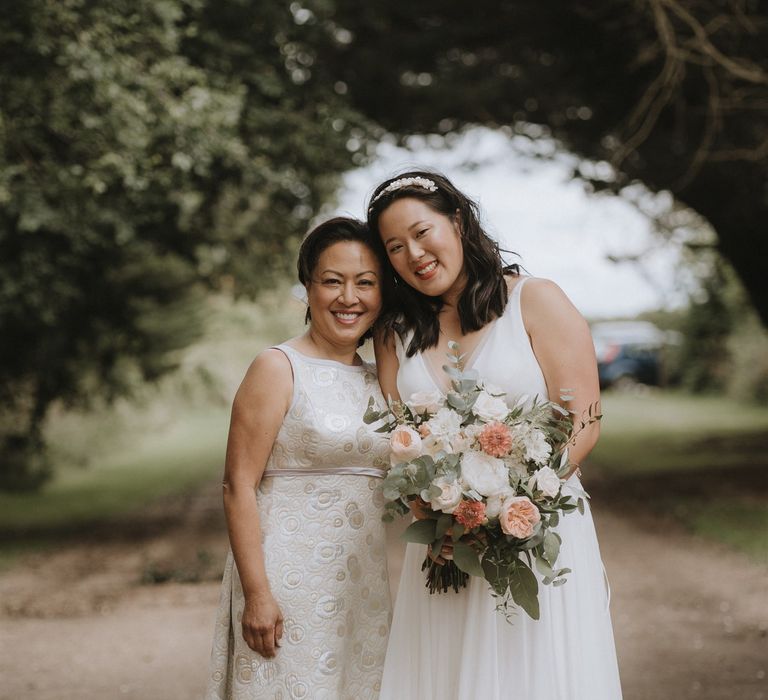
(153, 464)
(661, 432)
(704, 460)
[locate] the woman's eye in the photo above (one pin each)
(331, 282)
(421, 233)
(366, 283)
(394, 249)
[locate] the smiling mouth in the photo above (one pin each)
(347, 317)
(427, 269)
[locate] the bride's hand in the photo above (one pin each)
(263, 625)
(446, 552)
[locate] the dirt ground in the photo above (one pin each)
(109, 615)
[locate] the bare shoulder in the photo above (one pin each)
(384, 339)
(269, 377)
(543, 303)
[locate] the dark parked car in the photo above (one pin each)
(629, 353)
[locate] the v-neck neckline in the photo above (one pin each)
(471, 360)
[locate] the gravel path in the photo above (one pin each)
(691, 620)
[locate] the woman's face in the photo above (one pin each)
(344, 294)
(424, 247)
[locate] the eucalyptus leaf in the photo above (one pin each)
(543, 567)
(421, 532)
(524, 589)
(466, 559)
(551, 547)
(443, 524)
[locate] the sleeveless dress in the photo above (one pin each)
(455, 646)
(324, 549)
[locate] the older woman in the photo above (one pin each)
(305, 602)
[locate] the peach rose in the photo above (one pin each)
(518, 517)
(404, 445)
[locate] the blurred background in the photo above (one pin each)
(159, 164)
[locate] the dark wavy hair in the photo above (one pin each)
(485, 294)
(338, 230)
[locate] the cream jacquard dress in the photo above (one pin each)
(324, 549)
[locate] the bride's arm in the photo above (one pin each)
(387, 364)
(257, 414)
(563, 346)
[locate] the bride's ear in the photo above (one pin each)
(457, 221)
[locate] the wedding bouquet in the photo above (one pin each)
(485, 477)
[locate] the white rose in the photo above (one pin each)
(516, 467)
(493, 503)
(490, 408)
(432, 446)
(547, 481)
(425, 401)
(404, 445)
(445, 424)
(493, 389)
(483, 473)
(462, 442)
(450, 495)
(537, 449)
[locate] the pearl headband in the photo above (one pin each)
(395, 185)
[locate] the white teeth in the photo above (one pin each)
(428, 268)
(346, 317)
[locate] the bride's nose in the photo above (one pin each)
(415, 251)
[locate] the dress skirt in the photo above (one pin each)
(456, 646)
(325, 555)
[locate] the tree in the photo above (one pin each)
(148, 150)
(672, 93)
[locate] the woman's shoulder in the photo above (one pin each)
(543, 302)
(270, 373)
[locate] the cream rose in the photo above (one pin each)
(450, 495)
(404, 445)
(425, 402)
(490, 408)
(547, 481)
(485, 474)
(493, 503)
(518, 517)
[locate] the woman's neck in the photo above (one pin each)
(322, 348)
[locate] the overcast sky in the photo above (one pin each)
(533, 208)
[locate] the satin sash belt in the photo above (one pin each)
(326, 471)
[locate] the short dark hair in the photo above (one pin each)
(323, 236)
(485, 294)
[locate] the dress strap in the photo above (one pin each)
(314, 471)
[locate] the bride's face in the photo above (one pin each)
(424, 246)
(344, 294)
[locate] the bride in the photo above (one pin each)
(523, 335)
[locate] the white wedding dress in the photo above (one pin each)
(455, 646)
(320, 509)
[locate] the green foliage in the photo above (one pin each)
(147, 150)
(670, 94)
(724, 348)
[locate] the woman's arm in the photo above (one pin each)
(258, 411)
(563, 347)
(387, 364)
